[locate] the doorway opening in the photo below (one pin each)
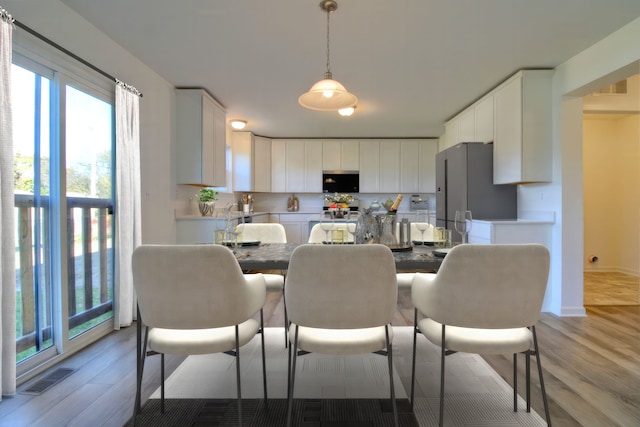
(611, 186)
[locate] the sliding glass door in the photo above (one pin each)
(64, 202)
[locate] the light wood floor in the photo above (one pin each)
(591, 368)
(611, 288)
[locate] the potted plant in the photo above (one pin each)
(206, 198)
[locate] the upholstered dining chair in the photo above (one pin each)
(194, 299)
(268, 232)
(340, 317)
(485, 299)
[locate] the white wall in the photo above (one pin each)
(612, 59)
(612, 192)
(57, 22)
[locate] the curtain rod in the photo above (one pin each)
(66, 51)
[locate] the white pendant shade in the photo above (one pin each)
(327, 95)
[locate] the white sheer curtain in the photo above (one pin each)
(128, 215)
(7, 230)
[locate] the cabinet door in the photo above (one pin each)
(313, 167)
(410, 166)
(427, 168)
(370, 166)
(350, 155)
(242, 153)
(389, 166)
(278, 165)
(483, 114)
(200, 136)
(262, 164)
(295, 166)
(219, 146)
(507, 146)
(451, 131)
(466, 126)
(208, 136)
(331, 154)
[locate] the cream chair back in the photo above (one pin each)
(341, 286)
(193, 287)
(263, 232)
(486, 286)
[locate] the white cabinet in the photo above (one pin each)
(296, 226)
(392, 166)
(474, 124)
(369, 166)
(427, 167)
(251, 162)
(522, 143)
(313, 167)
(410, 166)
(278, 165)
(466, 126)
(200, 139)
(483, 120)
(450, 134)
(341, 154)
(296, 166)
(418, 165)
(510, 232)
(389, 166)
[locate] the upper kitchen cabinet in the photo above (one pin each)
(370, 166)
(296, 166)
(522, 143)
(201, 134)
(341, 154)
(474, 124)
(251, 162)
(483, 120)
(418, 165)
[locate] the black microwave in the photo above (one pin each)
(340, 182)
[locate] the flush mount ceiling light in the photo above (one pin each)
(327, 94)
(238, 124)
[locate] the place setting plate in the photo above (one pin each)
(442, 252)
(243, 243)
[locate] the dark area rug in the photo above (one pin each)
(306, 413)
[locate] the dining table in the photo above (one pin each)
(275, 256)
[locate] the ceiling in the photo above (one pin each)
(412, 63)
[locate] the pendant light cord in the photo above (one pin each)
(328, 47)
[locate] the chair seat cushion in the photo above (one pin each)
(274, 282)
(201, 341)
(480, 341)
(404, 280)
(340, 341)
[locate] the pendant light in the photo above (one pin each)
(327, 94)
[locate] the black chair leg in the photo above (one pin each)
(391, 385)
(442, 356)
(413, 361)
(528, 375)
(292, 376)
(264, 363)
(162, 383)
(542, 389)
(515, 382)
(238, 377)
(141, 357)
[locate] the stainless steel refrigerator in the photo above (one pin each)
(464, 181)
